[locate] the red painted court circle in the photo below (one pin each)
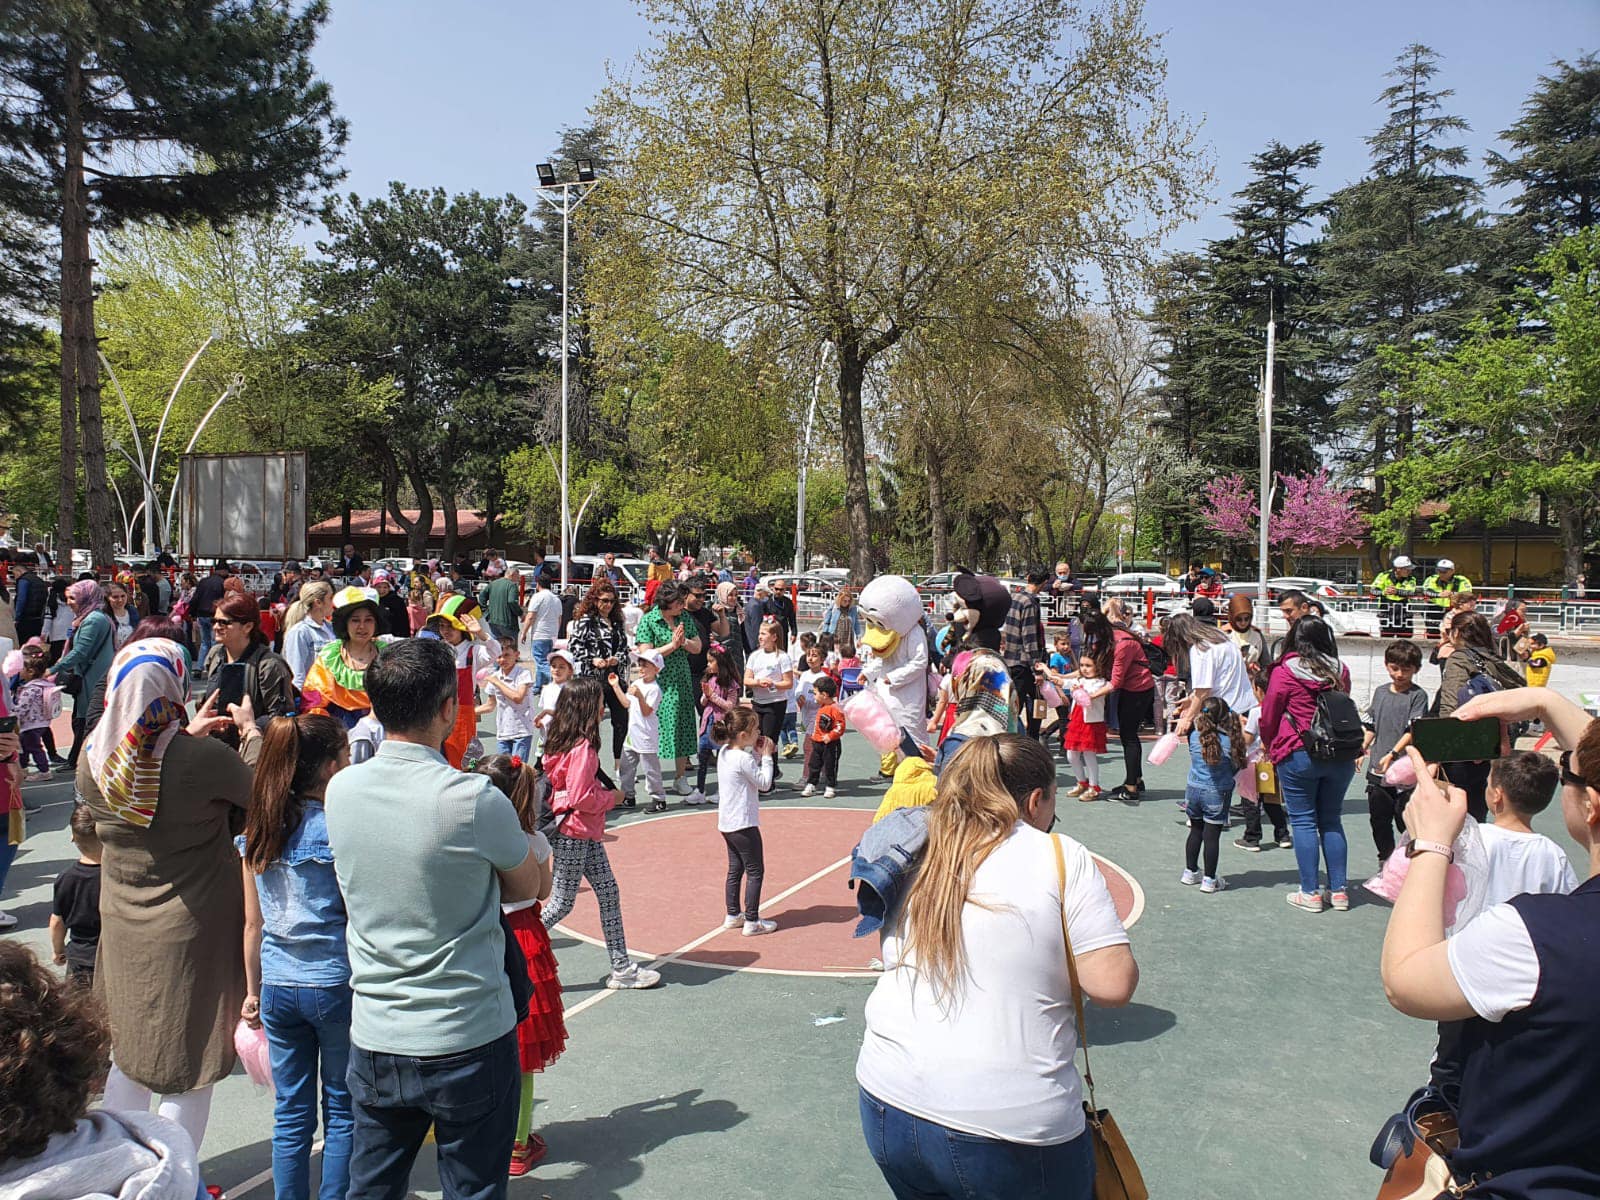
(671, 869)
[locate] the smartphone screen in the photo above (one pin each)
(8, 724)
(1446, 740)
(230, 686)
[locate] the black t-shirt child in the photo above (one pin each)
(77, 903)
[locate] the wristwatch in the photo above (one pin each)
(1568, 775)
(1421, 847)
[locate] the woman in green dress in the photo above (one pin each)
(665, 629)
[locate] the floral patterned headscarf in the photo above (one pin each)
(145, 692)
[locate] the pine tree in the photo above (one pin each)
(1401, 251)
(125, 110)
(1554, 161)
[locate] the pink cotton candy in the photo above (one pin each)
(1402, 773)
(13, 663)
(1050, 695)
(251, 1046)
(1388, 882)
(483, 675)
(1162, 750)
(867, 714)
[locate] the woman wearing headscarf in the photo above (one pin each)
(83, 667)
(732, 605)
(339, 672)
(166, 800)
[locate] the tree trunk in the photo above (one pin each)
(418, 533)
(1570, 517)
(80, 346)
(452, 529)
(857, 500)
(73, 214)
(936, 512)
(344, 524)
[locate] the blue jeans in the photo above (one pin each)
(303, 1023)
(516, 747)
(206, 640)
(470, 1100)
(1313, 795)
(922, 1160)
(539, 651)
(8, 853)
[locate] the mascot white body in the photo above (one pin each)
(897, 663)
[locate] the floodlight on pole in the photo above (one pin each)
(585, 183)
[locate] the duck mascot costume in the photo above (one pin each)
(897, 667)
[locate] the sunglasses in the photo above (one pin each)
(223, 623)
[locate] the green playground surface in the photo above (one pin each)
(1258, 1058)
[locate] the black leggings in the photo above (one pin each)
(1133, 710)
(744, 859)
(1208, 835)
(80, 731)
(770, 714)
(619, 721)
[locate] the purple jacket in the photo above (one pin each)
(1291, 694)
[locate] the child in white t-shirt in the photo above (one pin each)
(508, 694)
(642, 700)
(1520, 860)
(561, 668)
(806, 700)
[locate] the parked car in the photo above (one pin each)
(839, 575)
(1311, 586)
(1137, 583)
(815, 596)
(633, 571)
(395, 566)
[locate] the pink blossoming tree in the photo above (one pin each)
(1312, 513)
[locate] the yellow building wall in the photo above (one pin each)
(1536, 561)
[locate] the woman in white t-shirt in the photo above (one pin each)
(769, 674)
(1217, 667)
(968, 1084)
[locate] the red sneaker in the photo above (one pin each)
(527, 1155)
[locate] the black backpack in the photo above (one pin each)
(1336, 733)
(1155, 656)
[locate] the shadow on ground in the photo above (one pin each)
(1130, 1023)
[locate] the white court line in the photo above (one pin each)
(690, 947)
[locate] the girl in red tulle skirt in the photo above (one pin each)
(1086, 728)
(542, 1034)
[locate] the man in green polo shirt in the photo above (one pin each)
(502, 604)
(425, 855)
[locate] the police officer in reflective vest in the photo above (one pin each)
(1439, 587)
(1397, 588)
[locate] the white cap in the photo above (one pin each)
(1402, 563)
(650, 656)
(564, 657)
(1446, 565)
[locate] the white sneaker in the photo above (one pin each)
(682, 786)
(808, 790)
(635, 978)
(7, 921)
(828, 793)
(695, 797)
(757, 928)
(733, 922)
(1189, 878)
(1209, 885)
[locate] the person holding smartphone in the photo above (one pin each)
(243, 664)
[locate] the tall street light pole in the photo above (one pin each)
(805, 462)
(1266, 457)
(582, 186)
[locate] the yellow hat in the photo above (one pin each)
(454, 608)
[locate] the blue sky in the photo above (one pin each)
(469, 94)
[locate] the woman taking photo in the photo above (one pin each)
(297, 976)
(845, 612)
(236, 626)
(308, 628)
(1471, 655)
(598, 642)
(338, 674)
(82, 669)
(170, 968)
(1520, 979)
(1313, 790)
(667, 629)
(968, 1084)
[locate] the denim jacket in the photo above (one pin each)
(883, 865)
(302, 910)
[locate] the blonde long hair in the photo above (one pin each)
(979, 800)
(310, 593)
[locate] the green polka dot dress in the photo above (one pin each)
(677, 711)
